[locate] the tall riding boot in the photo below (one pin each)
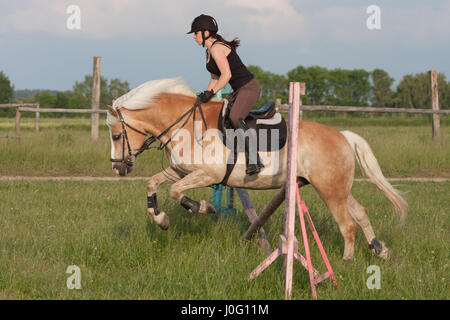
(252, 167)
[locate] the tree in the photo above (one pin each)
(349, 87)
(414, 91)
(317, 83)
(445, 104)
(116, 88)
(273, 86)
(82, 92)
(63, 99)
(6, 89)
(46, 99)
(382, 94)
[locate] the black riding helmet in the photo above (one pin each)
(202, 23)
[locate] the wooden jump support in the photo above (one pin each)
(288, 244)
(230, 211)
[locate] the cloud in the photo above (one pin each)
(270, 21)
(99, 19)
(264, 20)
(422, 25)
(407, 25)
(260, 21)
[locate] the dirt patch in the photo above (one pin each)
(15, 178)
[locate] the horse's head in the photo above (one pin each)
(126, 141)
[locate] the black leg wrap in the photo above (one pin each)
(152, 203)
(376, 245)
(189, 204)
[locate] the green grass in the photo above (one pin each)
(103, 228)
(366, 119)
(63, 147)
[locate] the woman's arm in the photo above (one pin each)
(218, 52)
(213, 82)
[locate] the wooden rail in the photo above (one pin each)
(435, 112)
(15, 105)
(285, 108)
(94, 111)
(26, 107)
(59, 110)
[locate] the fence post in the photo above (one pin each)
(277, 104)
(302, 93)
(435, 119)
(95, 98)
(38, 115)
(17, 122)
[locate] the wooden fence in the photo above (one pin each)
(435, 112)
(94, 111)
(35, 108)
(281, 107)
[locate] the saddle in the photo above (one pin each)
(267, 111)
(265, 121)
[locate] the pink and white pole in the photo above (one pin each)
(288, 245)
(291, 182)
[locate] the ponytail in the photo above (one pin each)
(232, 44)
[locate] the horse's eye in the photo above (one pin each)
(116, 137)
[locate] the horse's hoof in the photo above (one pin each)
(348, 259)
(164, 227)
(206, 207)
(384, 252)
(388, 254)
(162, 220)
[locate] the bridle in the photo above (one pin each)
(151, 139)
(131, 157)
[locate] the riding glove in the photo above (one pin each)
(206, 95)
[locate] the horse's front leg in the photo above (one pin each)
(196, 179)
(166, 176)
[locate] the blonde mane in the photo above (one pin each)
(144, 95)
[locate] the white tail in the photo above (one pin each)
(371, 169)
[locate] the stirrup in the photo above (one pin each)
(254, 168)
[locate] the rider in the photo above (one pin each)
(225, 66)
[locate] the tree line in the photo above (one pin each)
(80, 97)
(358, 87)
(338, 87)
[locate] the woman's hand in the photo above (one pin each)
(206, 95)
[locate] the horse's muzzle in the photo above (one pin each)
(123, 168)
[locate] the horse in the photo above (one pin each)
(160, 111)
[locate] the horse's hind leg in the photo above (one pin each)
(359, 214)
(346, 224)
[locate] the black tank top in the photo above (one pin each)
(239, 72)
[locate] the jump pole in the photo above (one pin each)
(288, 244)
(230, 211)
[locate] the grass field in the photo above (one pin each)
(103, 227)
(63, 147)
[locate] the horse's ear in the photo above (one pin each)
(112, 112)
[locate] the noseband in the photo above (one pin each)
(151, 139)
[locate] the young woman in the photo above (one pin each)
(225, 66)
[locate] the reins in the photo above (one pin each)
(151, 139)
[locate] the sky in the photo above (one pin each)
(142, 40)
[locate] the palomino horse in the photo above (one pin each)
(326, 157)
